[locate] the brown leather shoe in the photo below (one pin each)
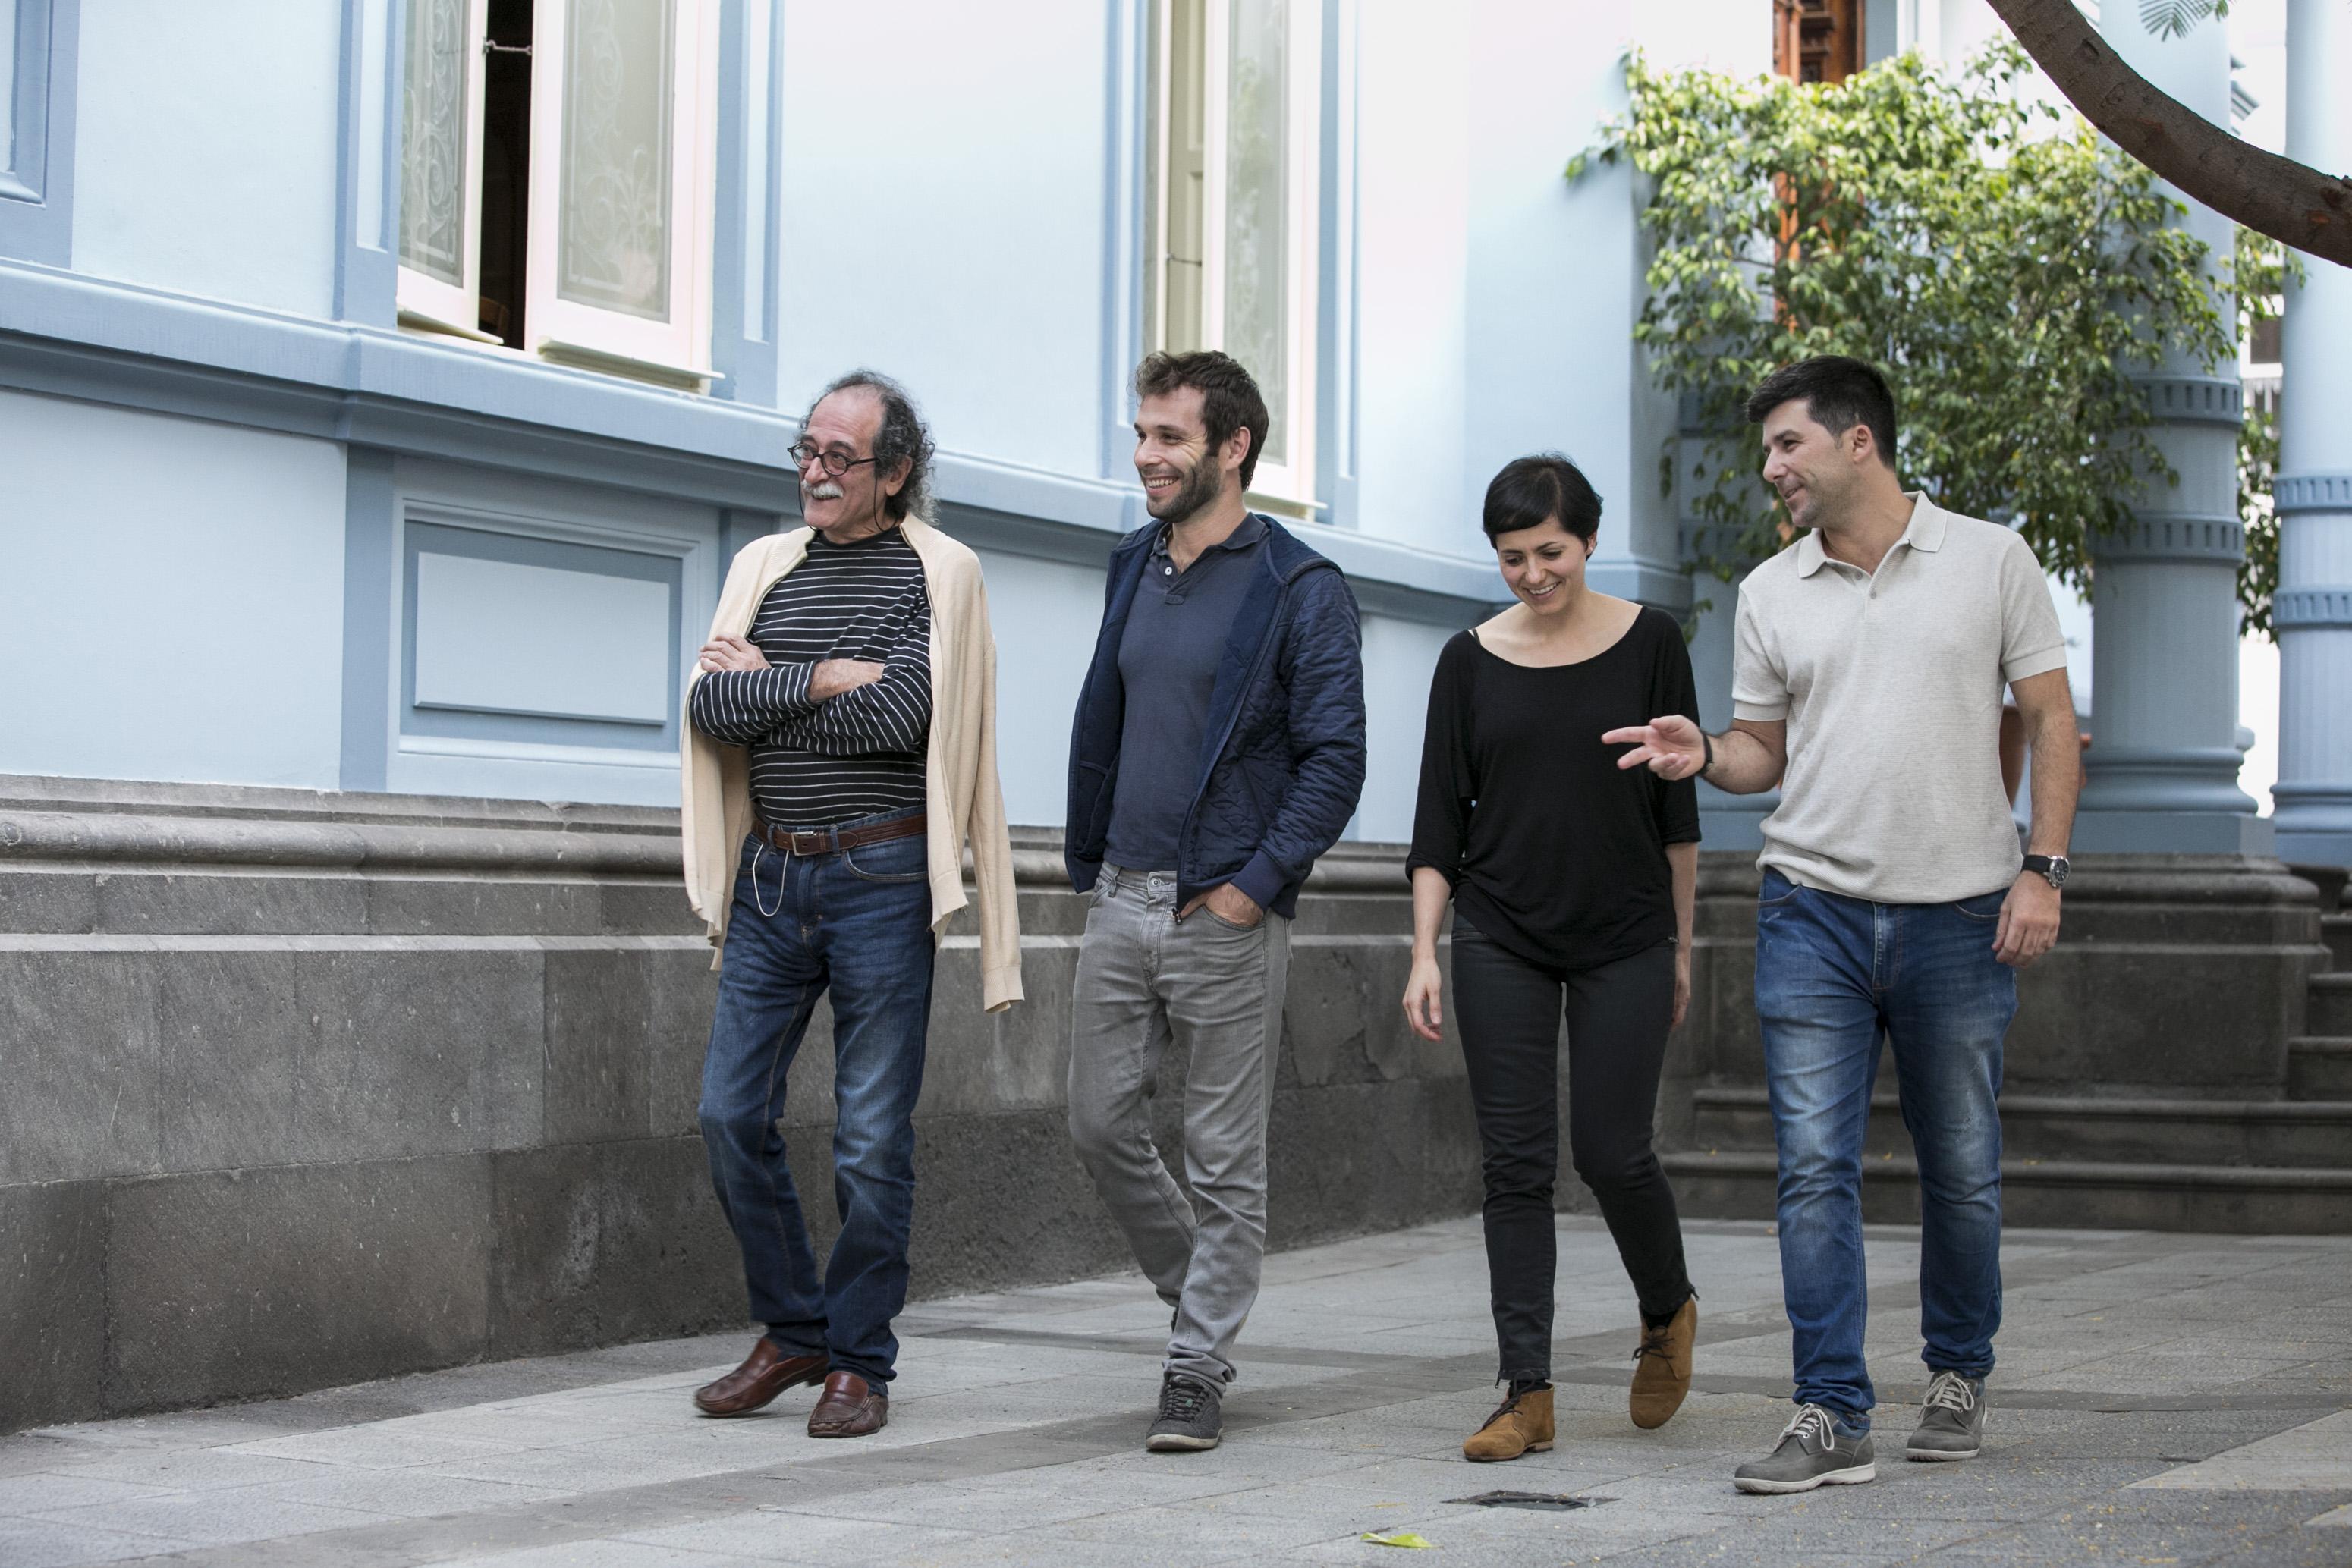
(849, 1407)
(1662, 1367)
(1521, 1424)
(765, 1372)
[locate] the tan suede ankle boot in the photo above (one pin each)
(1662, 1367)
(1521, 1424)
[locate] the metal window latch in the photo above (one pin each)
(489, 48)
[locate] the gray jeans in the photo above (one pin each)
(1145, 980)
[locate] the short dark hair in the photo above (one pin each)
(1839, 392)
(1230, 400)
(903, 438)
(1531, 490)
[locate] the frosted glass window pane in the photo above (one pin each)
(1187, 132)
(433, 143)
(7, 84)
(1256, 169)
(613, 251)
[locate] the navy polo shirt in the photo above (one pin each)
(1177, 629)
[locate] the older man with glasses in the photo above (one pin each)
(843, 754)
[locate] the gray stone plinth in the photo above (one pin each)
(311, 1088)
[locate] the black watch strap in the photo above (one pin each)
(2050, 869)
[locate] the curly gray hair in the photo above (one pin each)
(903, 438)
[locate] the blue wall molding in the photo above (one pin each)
(36, 182)
(418, 396)
(367, 164)
(745, 236)
(427, 529)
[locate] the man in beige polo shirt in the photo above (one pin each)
(1872, 658)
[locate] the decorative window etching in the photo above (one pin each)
(1257, 275)
(433, 156)
(613, 248)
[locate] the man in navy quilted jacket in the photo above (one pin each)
(1219, 750)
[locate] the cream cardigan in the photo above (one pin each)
(963, 799)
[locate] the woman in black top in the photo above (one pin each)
(1572, 882)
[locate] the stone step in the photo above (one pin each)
(2336, 930)
(2330, 1006)
(2319, 1068)
(2313, 1133)
(2074, 1193)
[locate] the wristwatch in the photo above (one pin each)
(2053, 868)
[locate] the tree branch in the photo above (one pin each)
(2290, 202)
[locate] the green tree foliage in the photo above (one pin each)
(2006, 268)
(2259, 274)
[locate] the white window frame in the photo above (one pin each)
(1291, 481)
(425, 300)
(566, 329)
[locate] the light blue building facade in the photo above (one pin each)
(379, 404)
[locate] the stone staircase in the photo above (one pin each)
(2276, 1161)
(2319, 1062)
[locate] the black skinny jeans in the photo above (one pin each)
(1618, 1016)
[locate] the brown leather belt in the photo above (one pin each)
(826, 841)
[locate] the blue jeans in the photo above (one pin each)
(1832, 973)
(858, 923)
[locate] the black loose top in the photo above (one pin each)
(1556, 854)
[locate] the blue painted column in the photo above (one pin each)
(1726, 821)
(2313, 608)
(2162, 771)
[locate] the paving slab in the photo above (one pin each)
(2133, 1418)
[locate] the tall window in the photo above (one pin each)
(1817, 40)
(557, 176)
(1234, 157)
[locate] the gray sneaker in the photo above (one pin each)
(1951, 1422)
(1811, 1453)
(1190, 1418)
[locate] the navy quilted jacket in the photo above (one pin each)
(1282, 758)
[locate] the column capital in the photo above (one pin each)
(2312, 609)
(2293, 493)
(2211, 540)
(2195, 400)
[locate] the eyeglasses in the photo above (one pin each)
(836, 464)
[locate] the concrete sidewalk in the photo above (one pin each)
(2162, 1399)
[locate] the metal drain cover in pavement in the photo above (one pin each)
(1554, 1502)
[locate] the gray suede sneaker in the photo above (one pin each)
(1951, 1421)
(1813, 1452)
(1190, 1416)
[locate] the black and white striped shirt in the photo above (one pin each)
(856, 755)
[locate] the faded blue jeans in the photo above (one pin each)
(856, 922)
(1832, 975)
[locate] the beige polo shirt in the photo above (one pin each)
(1891, 685)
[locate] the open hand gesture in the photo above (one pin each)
(1670, 746)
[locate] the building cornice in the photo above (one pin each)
(63, 334)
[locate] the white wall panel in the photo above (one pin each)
(1045, 615)
(205, 152)
(1398, 658)
(171, 606)
(508, 638)
(1412, 274)
(949, 232)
